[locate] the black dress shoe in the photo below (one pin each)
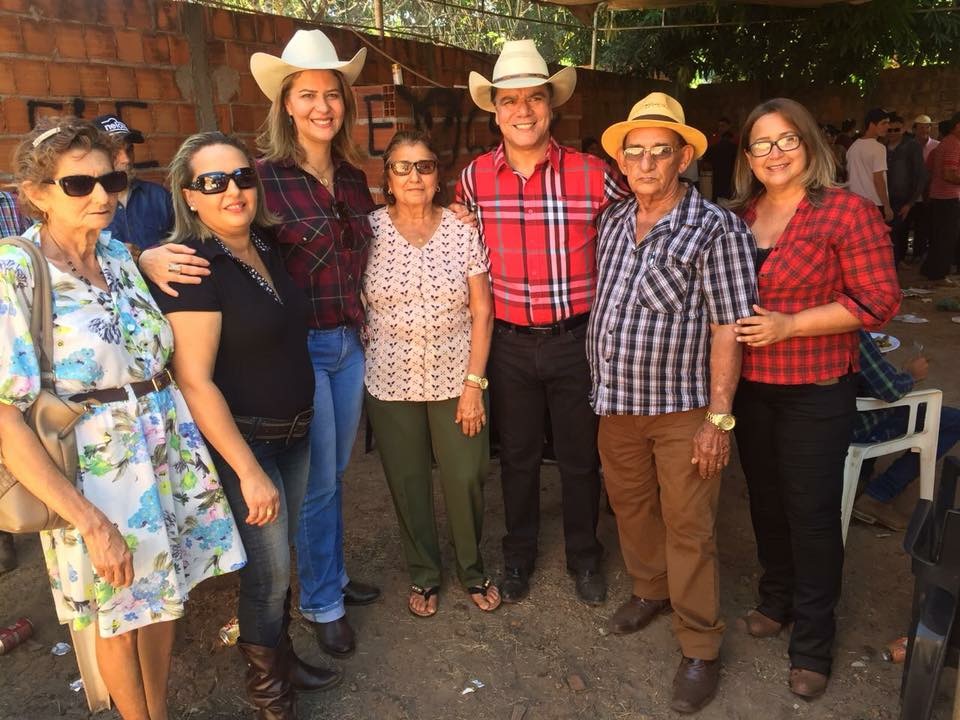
(358, 593)
(335, 638)
(515, 585)
(591, 586)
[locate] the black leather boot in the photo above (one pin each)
(303, 676)
(267, 685)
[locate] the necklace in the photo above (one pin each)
(102, 297)
(322, 177)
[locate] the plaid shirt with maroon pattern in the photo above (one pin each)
(324, 250)
(541, 231)
(835, 251)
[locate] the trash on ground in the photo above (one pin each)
(895, 652)
(576, 683)
(472, 686)
(77, 685)
(13, 635)
(916, 292)
(858, 664)
(230, 633)
(911, 318)
(956, 319)
(60, 649)
(950, 304)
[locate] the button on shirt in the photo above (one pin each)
(540, 231)
(837, 250)
(325, 251)
(418, 314)
(648, 341)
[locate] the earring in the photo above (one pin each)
(192, 208)
(290, 119)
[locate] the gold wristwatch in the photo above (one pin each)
(724, 421)
(481, 381)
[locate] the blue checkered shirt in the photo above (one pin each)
(648, 340)
(879, 378)
(11, 222)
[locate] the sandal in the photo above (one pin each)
(482, 589)
(426, 594)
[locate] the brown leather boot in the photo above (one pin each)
(267, 685)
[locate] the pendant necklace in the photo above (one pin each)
(102, 296)
(318, 175)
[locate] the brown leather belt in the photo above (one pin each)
(119, 394)
(557, 328)
(261, 428)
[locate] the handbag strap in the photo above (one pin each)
(41, 315)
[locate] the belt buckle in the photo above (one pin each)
(542, 329)
(153, 381)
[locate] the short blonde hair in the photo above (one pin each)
(278, 136)
(186, 223)
(821, 168)
(34, 162)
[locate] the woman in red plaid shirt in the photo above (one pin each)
(825, 270)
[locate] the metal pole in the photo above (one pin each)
(593, 41)
(378, 15)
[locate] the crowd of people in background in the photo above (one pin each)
(227, 334)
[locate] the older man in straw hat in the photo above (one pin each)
(536, 204)
(674, 274)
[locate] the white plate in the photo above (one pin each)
(894, 342)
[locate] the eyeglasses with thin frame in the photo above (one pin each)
(348, 240)
(762, 148)
(214, 183)
(405, 167)
(636, 153)
(83, 185)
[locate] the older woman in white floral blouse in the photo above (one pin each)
(429, 315)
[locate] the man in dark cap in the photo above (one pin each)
(145, 212)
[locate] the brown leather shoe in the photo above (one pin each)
(807, 684)
(335, 638)
(695, 684)
(758, 625)
(635, 614)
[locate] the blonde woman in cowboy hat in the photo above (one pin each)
(311, 181)
(537, 203)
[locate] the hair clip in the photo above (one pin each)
(46, 134)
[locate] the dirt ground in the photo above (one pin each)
(407, 668)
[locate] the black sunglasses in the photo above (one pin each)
(212, 183)
(404, 167)
(83, 185)
(348, 240)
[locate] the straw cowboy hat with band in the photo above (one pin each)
(521, 66)
(656, 110)
(307, 50)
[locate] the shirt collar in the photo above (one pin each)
(689, 211)
(554, 156)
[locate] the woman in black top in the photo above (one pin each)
(241, 361)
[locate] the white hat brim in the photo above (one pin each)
(269, 71)
(563, 82)
(612, 138)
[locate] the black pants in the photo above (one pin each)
(899, 233)
(530, 374)
(919, 221)
(793, 440)
(945, 233)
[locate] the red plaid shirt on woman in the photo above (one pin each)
(837, 250)
(324, 240)
(541, 231)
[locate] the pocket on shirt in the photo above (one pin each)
(664, 288)
(808, 264)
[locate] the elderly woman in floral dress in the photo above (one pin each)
(147, 517)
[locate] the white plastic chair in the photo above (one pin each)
(920, 441)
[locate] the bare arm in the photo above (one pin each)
(768, 327)
(711, 445)
(172, 263)
(196, 340)
(26, 458)
(470, 412)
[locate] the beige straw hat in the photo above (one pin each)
(307, 50)
(656, 110)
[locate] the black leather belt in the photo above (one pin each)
(557, 328)
(155, 384)
(261, 428)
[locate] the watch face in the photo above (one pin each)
(727, 422)
(483, 384)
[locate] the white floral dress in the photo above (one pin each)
(142, 461)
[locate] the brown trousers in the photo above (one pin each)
(666, 517)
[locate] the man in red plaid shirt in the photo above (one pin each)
(536, 203)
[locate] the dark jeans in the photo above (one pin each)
(899, 234)
(919, 220)
(793, 440)
(945, 233)
(530, 374)
(265, 579)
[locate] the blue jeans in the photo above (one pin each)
(338, 366)
(265, 579)
(905, 469)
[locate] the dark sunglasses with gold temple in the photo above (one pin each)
(214, 183)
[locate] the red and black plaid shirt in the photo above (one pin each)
(323, 240)
(836, 251)
(541, 231)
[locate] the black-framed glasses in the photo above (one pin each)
(762, 148)
(212, 183)
(83, 185)
(348, 240)
(404, 167)
(636, 153)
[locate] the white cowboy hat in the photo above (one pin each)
(307, 50)
(521, 66)
(656, 110)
